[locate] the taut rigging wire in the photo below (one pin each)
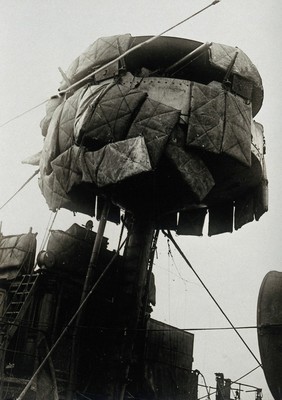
(73, 318)
(169, 235)
(27, 322)
(136, 47)
(26, 182)
(23, 113)
(248, 373)
(48, 228)
(62, 92)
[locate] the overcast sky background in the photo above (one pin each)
(37, 37)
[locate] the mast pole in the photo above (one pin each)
(131, 298)
(87, 286)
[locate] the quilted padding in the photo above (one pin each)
(155, 121)
(156, 144)
(220, 122)
(17, 254)
(98, 53)
(222, 55)
(110, 118)
(192, 169)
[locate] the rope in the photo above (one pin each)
(176, 267)
(168, 288)
(168, 235)
(83, 395)
(135, 48)
(23, 113)
(26, 324)
(48, 230)
(205, 385)
(25, 390)
(115, 60)
(220, 328)
(248, 373)
(177, 276)
(29, 179)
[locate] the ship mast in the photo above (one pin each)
(131, 297)
(86, 288)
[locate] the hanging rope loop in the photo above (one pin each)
(169, 235)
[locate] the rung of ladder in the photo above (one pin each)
(22, 290)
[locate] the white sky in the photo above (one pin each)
(37, 37)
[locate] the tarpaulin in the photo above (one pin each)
(116, 162)
(152, 143)
(64, 165)
(168, 221)
(109, 118)
(155, 121)
(192, 169)
(98, 53)
(222, 55)
(60, 137)
(60, 134)
(51, 106)
(258, 142)
(237, 133)
(244, 210)
(89, 97)
(206, 119)
(220, 123)
(111, 164)
(261, 195)
(221, 218)
(191, 222)
(17, 254)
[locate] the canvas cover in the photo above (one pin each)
(17, 254)
(142, 136)
(220, 122)
(222, 55)
(99, 53)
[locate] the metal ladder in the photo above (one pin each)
(22, 289)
